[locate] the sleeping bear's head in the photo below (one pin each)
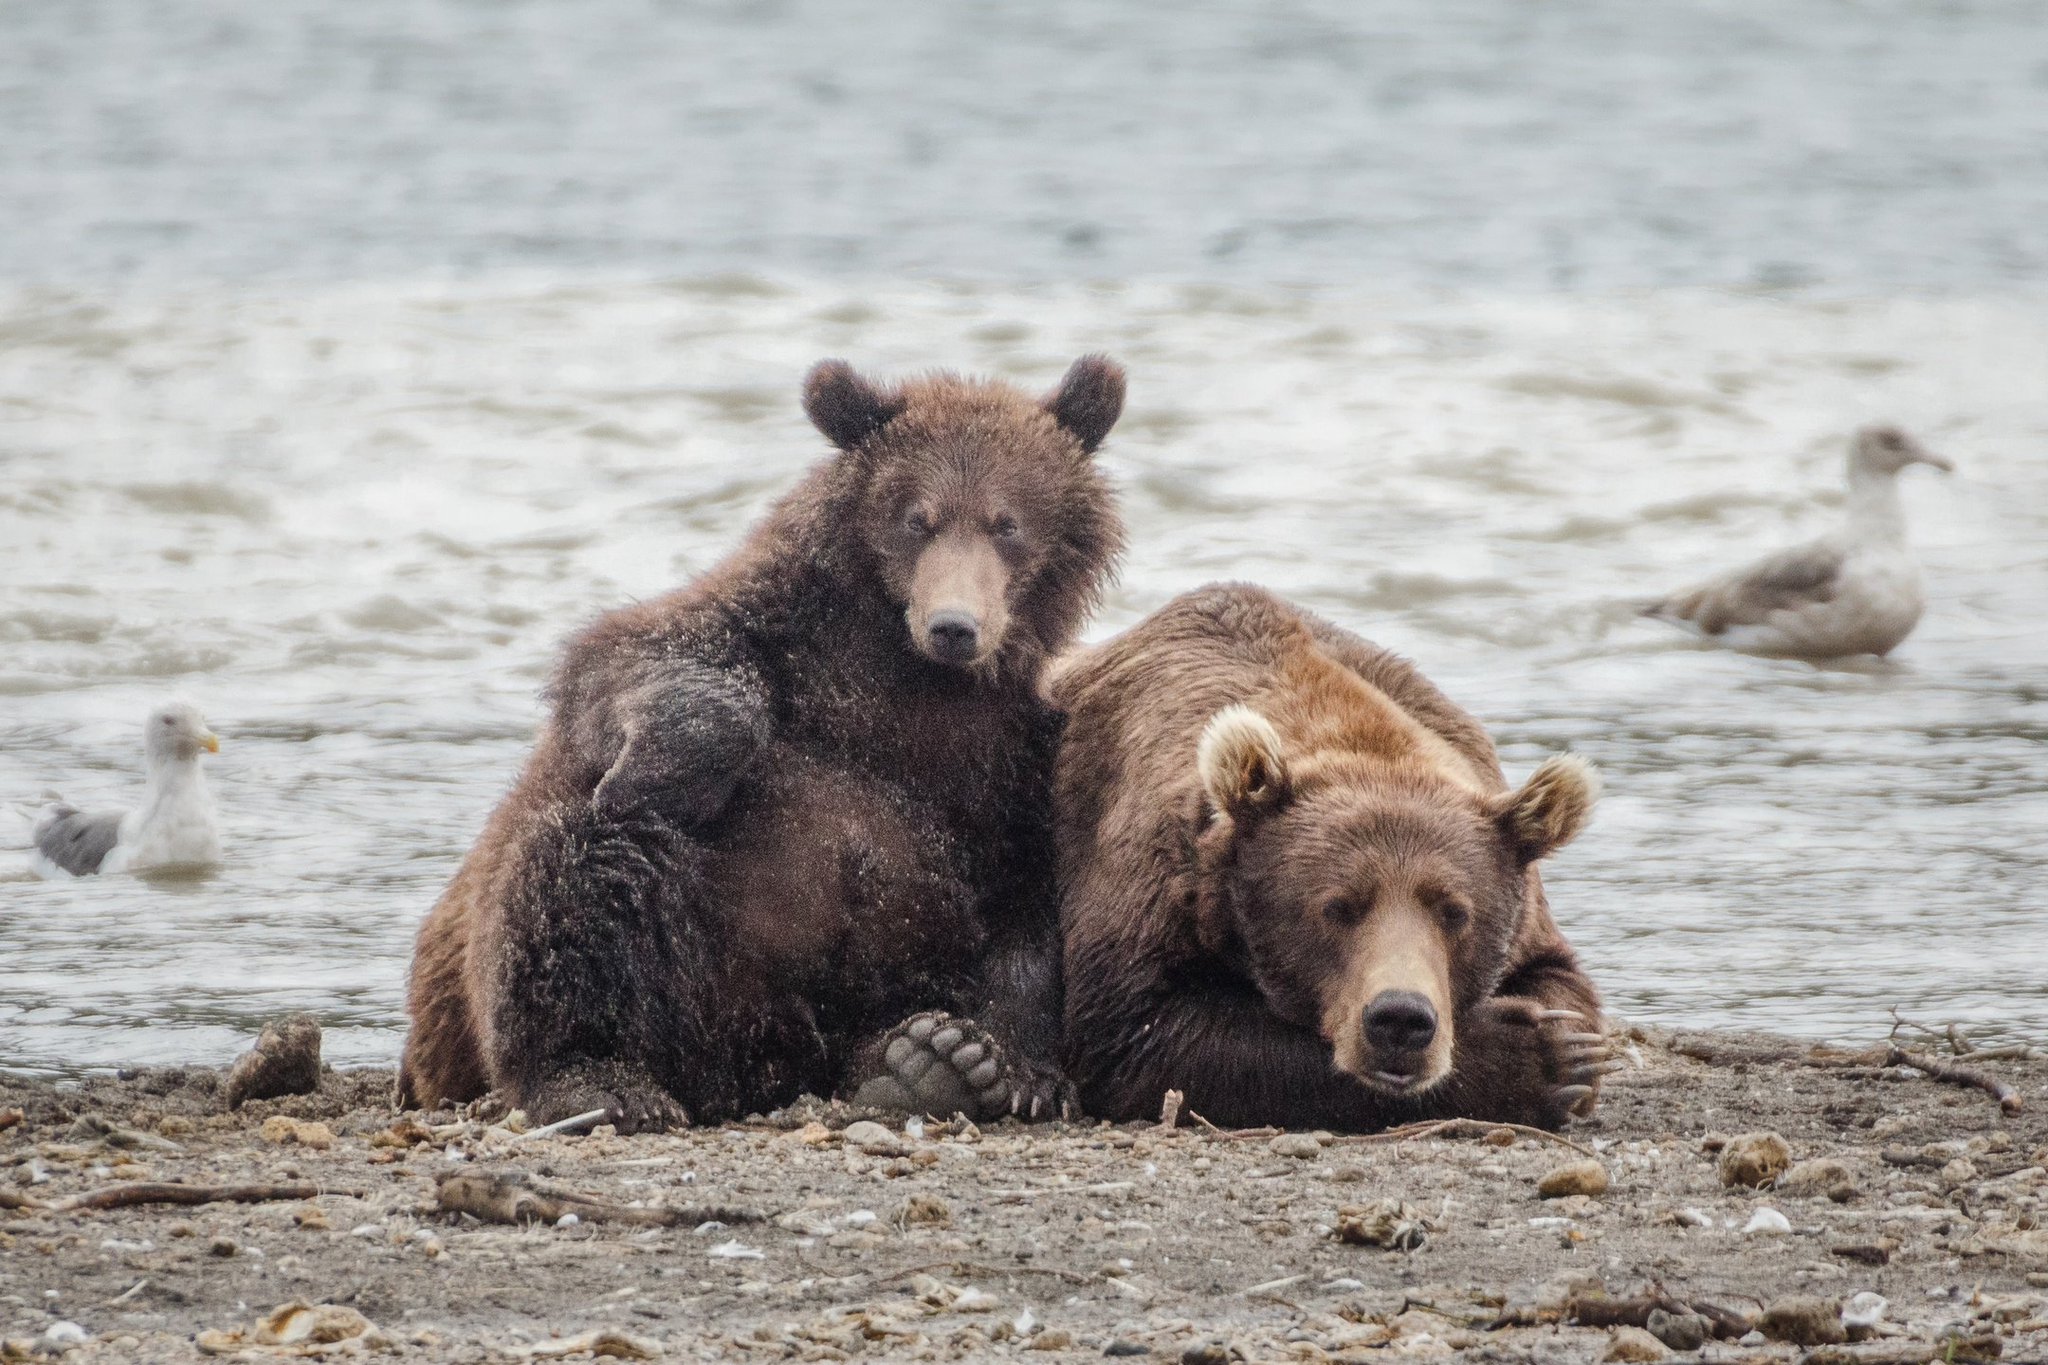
(1372, 903)
(981, 506)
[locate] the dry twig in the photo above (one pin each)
(1462, 1128)
(989, 1271)
(516, 1197)
(150, 1192)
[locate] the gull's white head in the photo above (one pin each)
(176, 732)
(1886, 450)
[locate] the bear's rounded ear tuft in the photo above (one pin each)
(1550, 808)
(1089, 399)
(1239, 760)
(846, 407)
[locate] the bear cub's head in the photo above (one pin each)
(981, 506)
(1371, 903)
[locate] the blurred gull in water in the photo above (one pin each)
(1855, 590)
(174, 826)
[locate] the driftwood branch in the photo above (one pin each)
(1598, 1310)
(1715, 1053)
(145, 1192)
(516, 1197)
(1601, 1310)
(2009, 1101)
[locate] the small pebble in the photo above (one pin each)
(868, 1133)
(1121, 1347)
(1865, 1310)
(64, 1334)
(1767, 1222)
(1579, 1177)
(1300, 1146)
(1803, 1320)
(222, 1246)
(1051, 1339)
(1752, 1159)
(1820, 1178)
(1679, 1331)
(1633, 1343)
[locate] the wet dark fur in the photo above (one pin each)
(1156, 998)
(760, 826)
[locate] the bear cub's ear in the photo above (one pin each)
(1551, 807)
(1089, 400)
(1239, 760)
(846, 407)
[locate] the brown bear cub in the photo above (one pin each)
(1297, 889)
(775, 811)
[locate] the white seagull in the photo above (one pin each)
(1855, 590)
(173, 827)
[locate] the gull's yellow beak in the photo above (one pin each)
(211, 741)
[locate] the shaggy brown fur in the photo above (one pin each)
(1296, 888)
(777, 810)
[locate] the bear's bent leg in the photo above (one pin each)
(678, 744)
(1234, 1061)
(443, 1058)
(604, 961)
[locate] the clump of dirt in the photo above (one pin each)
(1909, 1223)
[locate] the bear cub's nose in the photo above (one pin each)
(1399, 1023)
(953, 636)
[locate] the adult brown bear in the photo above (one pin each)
(1296, 888)
(776, 810)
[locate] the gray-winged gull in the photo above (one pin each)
(1855, 590)
(174, 825)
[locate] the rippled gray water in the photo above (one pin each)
(342, 373)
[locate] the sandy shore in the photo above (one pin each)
(1066, 1239)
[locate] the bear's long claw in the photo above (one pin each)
(1559, 1014)
(1569, 1095)
(1586, 1039)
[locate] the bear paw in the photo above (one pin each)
(933, 1063)
(1563, 1060)
(632, 1100)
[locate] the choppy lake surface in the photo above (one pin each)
(352, 522)
(1877, 144)
(351, 355)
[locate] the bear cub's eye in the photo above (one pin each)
(1344, 911)
(1453, 913)
(1004, 526)
(919, 521)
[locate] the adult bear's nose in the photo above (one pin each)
(954, 636)
(1399, 1023)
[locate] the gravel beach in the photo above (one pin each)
(801, 1237)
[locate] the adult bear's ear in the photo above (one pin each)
(846, 407)
(1089, 400)
(1550, 808)
(1242, 770)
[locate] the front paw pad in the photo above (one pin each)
(935, 1064)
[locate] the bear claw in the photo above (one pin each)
(936, 1064)
(632, 1104)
